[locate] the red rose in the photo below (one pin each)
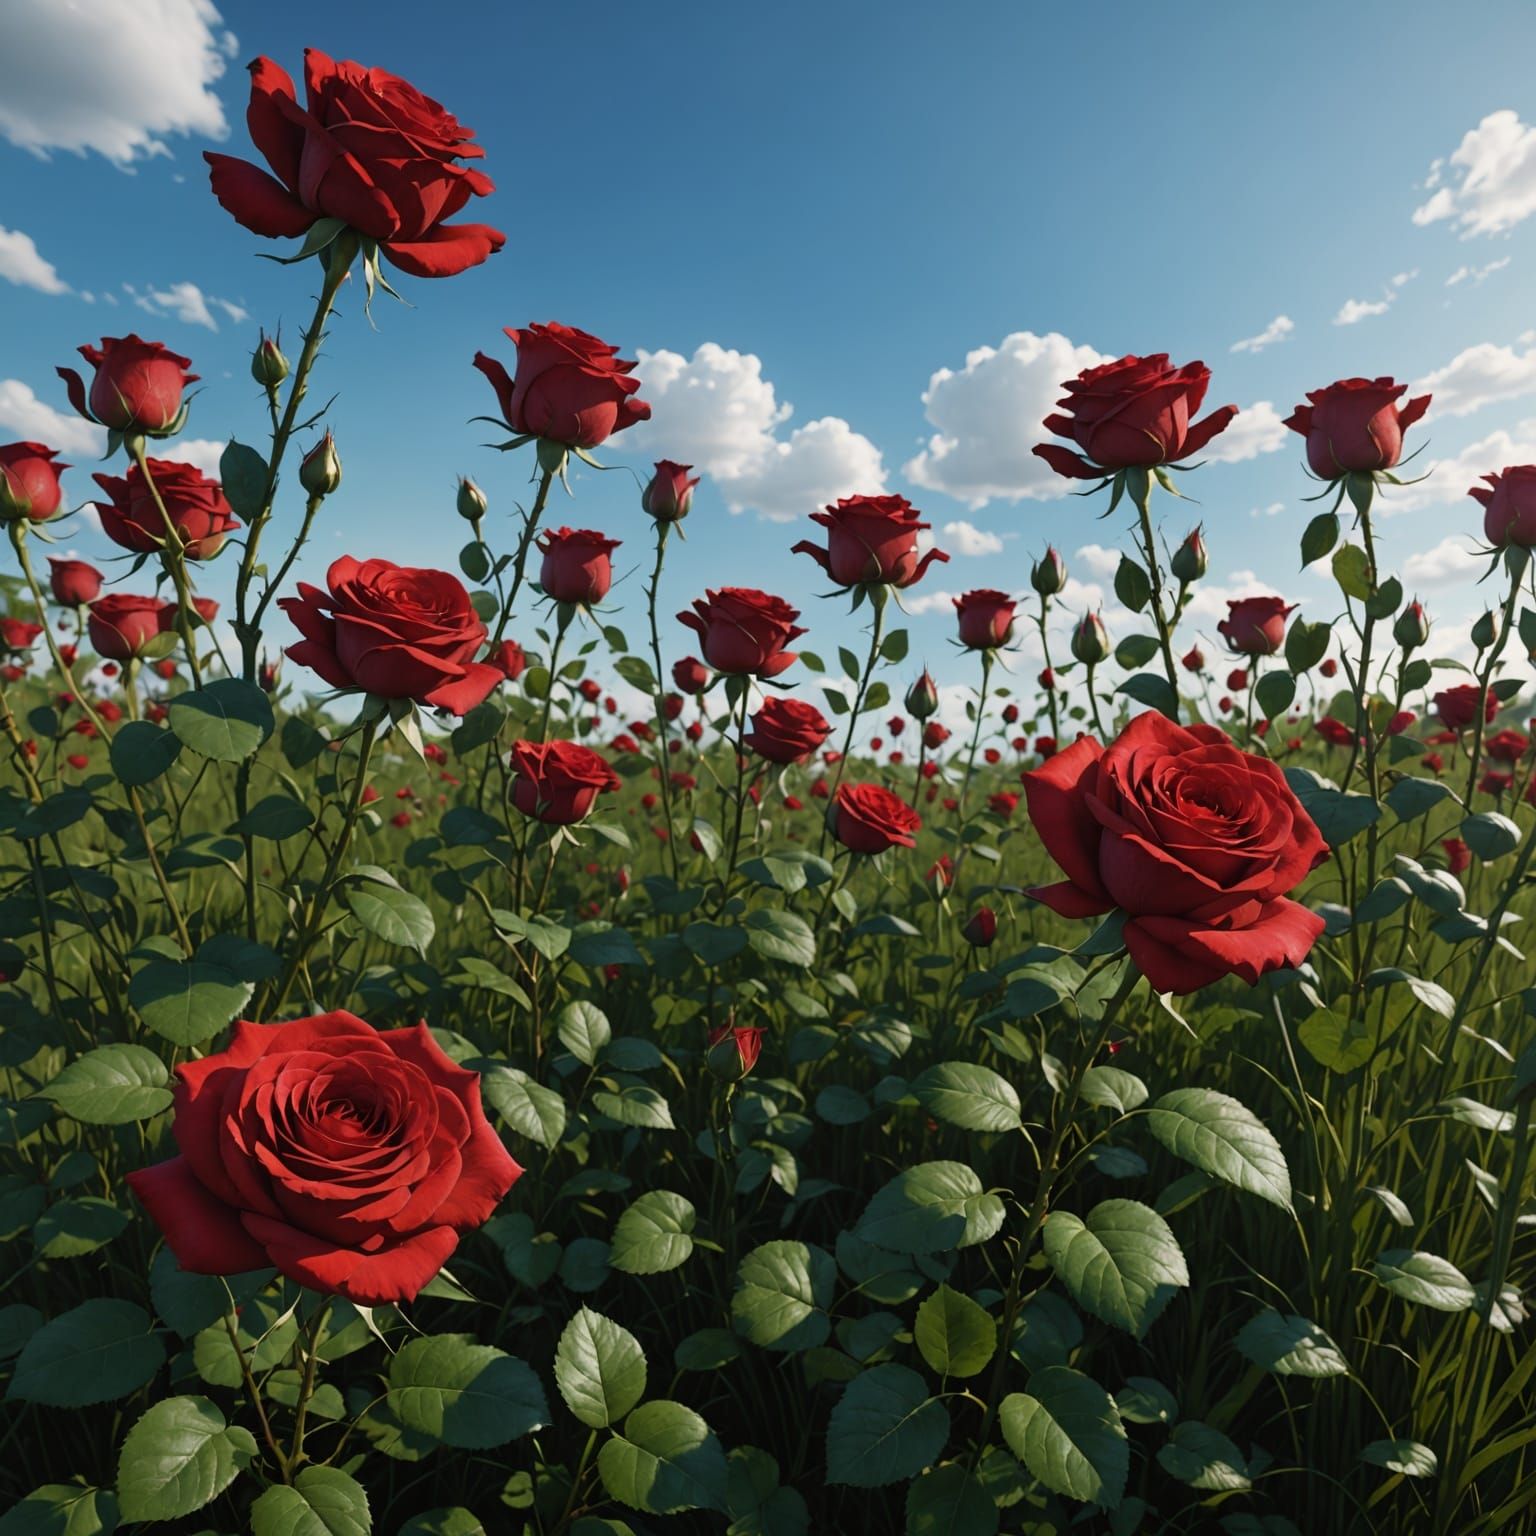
(509, 660)
(137, 388)
(1194, 660)
(1334, 732)
(787, 730)
(578, 565)
(668, 496)
(121, 626)
(557, 781)
(1329, 667)
(935, 735)
(1509, 501)
(29, 481)
(1495, 783)
(73, 581)
(366, 148)
(1237, 679)
(1458, 856)
(393, 631)
(18, 634)
(1133, 413)
(195, 504)
(869, 819)
(1003, 803)
(744, 630)
(1255, 626)
(733, 1050)
(348, 1157)
(1195, 840)
(570, 387)
(986, 619)
(871, 539)
(1507, 746)
(690, 674)
(1457, 706)
(1355, 424)
(981, 928)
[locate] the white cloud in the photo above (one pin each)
(1354, 311)
(22, 263)
(27, 417)
(919, 603)
(717, 412)
(1476, 275)
(1479, 376)
(1440, 482)
(1401, 278)
(1495, 170)
(1451, 563)
(1099, 560)
(1277, 330)
(188, 303)
(987, 419)
(1257, 429)
(1274, 509)
(204, 452)
(114, 76)
(963, 538)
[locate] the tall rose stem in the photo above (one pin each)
(987, 657)
(663, 528)
(878, 596)
(1141, 491)
(562, 622)
(524, 544)
(284, 1470)
(1485, 676)
(307, 1385)
(741, 786)
(174, 556)
(1045, 651)
(18, 531)
(1093, 701)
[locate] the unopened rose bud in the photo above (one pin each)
(1047, 680)
(1190, 559)
(1049, 575)
(690, 674)
(922, 698)
(320, 473)
(268, 675)
(668, 494)
(471, 503)
(1194, 660)
(1412, 627)
(980, 931)
(268, 365)
(733, 1051)
(1090, 640)
(1485, 631)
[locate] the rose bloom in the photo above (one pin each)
(73, 582)
(18, 634)
(1457, 706)
(121, 626)
(570, 387)
(1136, 412)
(348, 1157)
(1194, 660)
(787, 730)
(1400, 722)
(1334, 732)
(1255, 626)
(367, 148)
(195, 504)
(871, 539)
(556, 782)
(935, 735)
(509, 660)
(1458, 857)
(1046, 746)
(870, 819)
(578, 565)
(690, 674)
(1355, 424)
(743, 630)
(1509, 505)
(138, 385)
(1004, 803)
(1196, 841)
(29, 481)
(985, 619)
(1507, 746)
(1495, 783)
(393, 631)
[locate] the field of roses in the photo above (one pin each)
(442, 1094)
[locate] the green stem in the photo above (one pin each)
(987, 657)
(1155, 577)
(173, 556)
(520, 561)
(663, 528)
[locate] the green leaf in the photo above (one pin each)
(1273, 693)
(141, 752)
(584, 1030)
(276, 817)
(1203, 1457)
(226, 720)
(1113, 1088)
(243, 478)
(94, 1353)
(667, 1460)
(1424, 1278)
(1144, 1400)
(1411, 798)
(178, 1457)
(635, 1103)
(783, 1291)
(112, 1085)
(69, 1229)
(599, 1369)
(1132, 585)
(1489, 835)
(1306, 645)
(1351, 569)
(322, 1501)
(62, 1509)
(464, 1394)
(1136, 651)
(950, 1501)
(1319, 537)
(1151, 689)
(391, 914)
(779, 935)
(187, 1001)
(1067, 1431)
(1340, 1044)
(1290, 1346)
(1407, 1457)
(955, 1335)
(1222, 1138)
(654, 1234)
(531, 1109)
(884, 1428)
(973, 1097)
(1123, 1263)
(930, 1208)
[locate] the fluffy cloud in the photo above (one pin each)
(1277, 330)
(1274, 509)
(919, 603)
(717, 412)
(1353, 311)
(963, 538)
(1257, 429)
(1099, 560)
(1494, 175)
(987, 417)
(114, 76)
(1475, 275)
(23, 415)
(1453, 562)
(204, 452)
(1445, 481)
(188, 303)
(22, 263)
(1479, 376)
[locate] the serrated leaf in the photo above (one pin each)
(1067, 1431)
(884, 1428)
(1222, 1138)
(464, 1394)
(599, 1369)
(654, 1234)
(955, 1335)
(179, 1456)
(1290, 1346)
(111, 1085)
(973, 1097)
(1123, 1263)
(94, 1353)
(1424, 1278)
(783, 1291)
(930, 1208)
(666, 1460)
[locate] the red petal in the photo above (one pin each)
(446, 250)
(203, 1233)
(258, 201)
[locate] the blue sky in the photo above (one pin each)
(836, 203)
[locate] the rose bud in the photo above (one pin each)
(29, 482)
(1194, 660)
(1237, 680)
(1458, 857)
(1011, 711)
(869, 819)
(1355, 425)
(733, 1051)
(1255, 626)
(509, 660)
(470, 503)
(590, 689)
(73, 582)
(1329, 668)
(895, 725)
(786, 730)
(122, 626)
(690, 674)
(268, 365)
(166, 668)
(18, 634)
(671, 708)
(138, 386)
(871, 539)
(268, 675)
(1485, 630)
(668, 495)
(1334, 732)
(1090, 640)
(556, 782)
(320, 473)
(1190, 559)
(935, 735)
(1412, 627)
(922, 698)
(195, 504)
(1047, 681)
(578, 565)
(985, 619)
(1049, 573)
(1507, 746)
(981, 928)
(744, 631)
(1457, 706)
(1400, 722)
(1224, 704)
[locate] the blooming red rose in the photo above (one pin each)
(393, 631)
(1196, 841)
(733, 1050)
(508, 659)
(73, 582)
(1003, 803)
(1334, 732)
(349, 1157)
(121, 625)
(570, 387)
(744, 630)
(1255, 626)
(557, 781)
(366, 148)
(578, 564)
(1136, 412)
(1509, 505)
(985, 618)
(1507, 746)
(787, 730)
(871, 539)
(18, 634)
(138, 385)
(1355, 424)
(1457, 706)
(1495, 783)
(29, 481)
(870, 819)
(668, 495)
(195, 504)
